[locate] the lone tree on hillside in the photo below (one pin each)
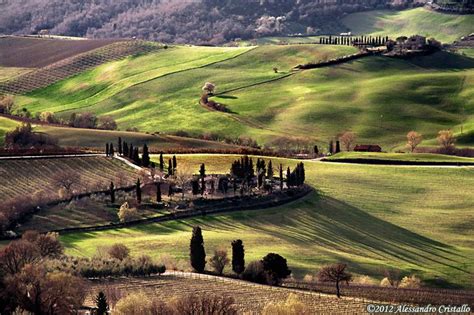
(158, 192)
(238, 256)
(197, 252)
(276, 268)
(446, 139)
(209, 88)
(101, 304)
(335, 273)
(66, 182)
(413, 140)
(219, 261)
(347, 139)
(175, 164)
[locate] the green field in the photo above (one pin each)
(406, 157)
(368, 216)
(444, 27)
(378, 98)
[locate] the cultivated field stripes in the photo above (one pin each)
(23, 177)
(71, 66)
(249, 298)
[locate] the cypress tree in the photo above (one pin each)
(288, 178)
(145, 156)
(197, 252)
(316, 150)
(281, 177)
(162, 162)
(338, 146)
(120, 151)
(270, 170)
(136, 156)
(111, 150)
(238, 256)
(170, 167)
(112, 192)
(175, 164)
(139, 191)
(101, 304)
(130, 152)
(158, 192)
(202, 174)
(125, 149)
(331, 147)
(106, 149)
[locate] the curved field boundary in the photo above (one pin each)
(395, 162)
(71, 66)
(193, 213)
(116, 88)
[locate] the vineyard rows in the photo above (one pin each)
(25, 177)
(249, 298)
(68, 67)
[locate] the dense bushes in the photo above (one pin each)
(24, 137)
(96, 267)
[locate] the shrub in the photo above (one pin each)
(48, 117)
(208, 304)
(119, 251)
(126, 213)
(292, 306)
(24, 137)
(219, 261)
(107, 123)
(385, 282)
(412, 282)
(254, 272)
(6, 104)
(364, 280)
(139, 303)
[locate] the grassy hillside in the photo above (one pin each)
(5, 126)
(368, 216)
(416, 157)
(443, 27)
(380, 99)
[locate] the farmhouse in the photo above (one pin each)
(368, 148)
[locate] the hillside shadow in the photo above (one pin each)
(230, 97)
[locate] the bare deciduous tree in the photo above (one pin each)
(119, 251)
(67, 181)
(335, 273)
(413, 140)
(347, 139)
(219, 260)
(446, 139)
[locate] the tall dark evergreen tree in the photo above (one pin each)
(238, 256)
(136, 156)
(270, 170)
(138, 190)
(112, 192)
(281, 177)
(197, 252)
(158, 192)
(111, 150)
(131, 151)
(107, 149)
(175, 164)
(125, 149)
(338, 146)
(162, 162)
(331, 147)
(316, 150)
(170, 167)
(120, 150)
(145, 156)
(202, 174)
(101, 304)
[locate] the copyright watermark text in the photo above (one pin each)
(404, 308)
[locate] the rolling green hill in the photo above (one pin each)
(444, 27)
(379, 98)
(367, 216)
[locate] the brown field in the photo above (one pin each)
(26, 177)
(249, 298)
(40, 52)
